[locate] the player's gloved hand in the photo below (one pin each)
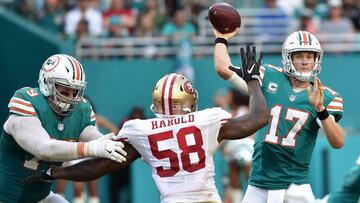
(250, 69)
(106, 148)
(44, 176)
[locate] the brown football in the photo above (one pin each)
(224, 17)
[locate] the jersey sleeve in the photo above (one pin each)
(267, 69)
(20, 105)
(128, 131)
(262, 74)
(92, 116)
(87, 109)
(216, 117)
(224, 116)
(335, 104)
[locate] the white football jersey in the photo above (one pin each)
(180, 151)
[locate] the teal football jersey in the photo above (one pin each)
(283, 148)
(16, 163)
(350, 190)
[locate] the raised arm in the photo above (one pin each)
(257, 117)
(222, 60)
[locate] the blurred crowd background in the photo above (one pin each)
(104, 29)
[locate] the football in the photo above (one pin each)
(224, 17)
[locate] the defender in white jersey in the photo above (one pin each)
(179, 144)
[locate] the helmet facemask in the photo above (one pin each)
(64, 103)
(301, 41)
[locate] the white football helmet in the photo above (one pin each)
(64, 70)
(301, 41)
(174, 95)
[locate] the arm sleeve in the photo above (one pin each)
(90, 133)
(32, 137)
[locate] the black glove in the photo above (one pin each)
(250, 69)
(38, 176)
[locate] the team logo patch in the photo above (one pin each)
(188, 87)
(272, 88)
(51, 63)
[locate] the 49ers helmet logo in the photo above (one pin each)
(51, 63)
(188, 87)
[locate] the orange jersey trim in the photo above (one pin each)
(22, 111)
(21, 102)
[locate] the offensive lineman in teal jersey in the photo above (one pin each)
(298, 109)
(48, 125)
(350, 190)
(348, 193)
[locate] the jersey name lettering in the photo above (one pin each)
(170, 122)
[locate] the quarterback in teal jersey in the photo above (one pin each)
(299, 105)
(48, 125)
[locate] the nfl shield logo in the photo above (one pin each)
(292, 97)
(60, 127)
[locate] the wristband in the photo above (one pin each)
(222, 41)
(322, 115)
(81, 149)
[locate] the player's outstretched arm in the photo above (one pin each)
(45, 148)
(86, 170)
(95, 168)
(221, 56)
(249, 123)
(257, 118)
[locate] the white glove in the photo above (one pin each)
(106, 148)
